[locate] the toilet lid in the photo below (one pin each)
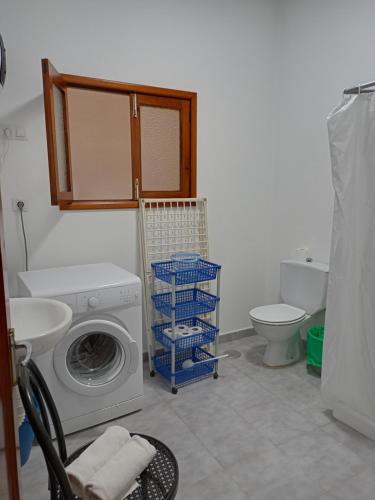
(277, 313)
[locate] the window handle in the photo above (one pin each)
(135, 106)
(137, 188)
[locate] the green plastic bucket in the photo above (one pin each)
(315, 336)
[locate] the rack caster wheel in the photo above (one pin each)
(152, 373)
(174, 390)
(216, 375)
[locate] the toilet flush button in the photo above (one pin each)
(93, 302)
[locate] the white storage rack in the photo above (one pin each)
(167, 226)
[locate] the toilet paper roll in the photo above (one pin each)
(182, 328)
(186, 333)
(180, 331)
(188, 363)
(195, 329)
(168, 331)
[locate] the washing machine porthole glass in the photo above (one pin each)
(95, 359)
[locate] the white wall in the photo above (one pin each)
(324, 46)
(267, 74)
(224, 50)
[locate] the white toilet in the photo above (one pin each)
(303, 290)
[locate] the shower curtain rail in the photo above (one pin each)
(361, 89)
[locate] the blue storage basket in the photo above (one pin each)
(207, 335)
(200, 271)
(185, 376)
(190, 302)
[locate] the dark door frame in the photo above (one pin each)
(9, 478)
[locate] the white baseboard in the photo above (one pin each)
(236, 334)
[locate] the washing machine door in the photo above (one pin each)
(96, 357)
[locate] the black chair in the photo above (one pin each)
(158, 481)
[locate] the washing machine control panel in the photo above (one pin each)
(106, 298)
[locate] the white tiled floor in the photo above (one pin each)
(255, 433)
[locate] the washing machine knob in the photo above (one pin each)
(93, 302)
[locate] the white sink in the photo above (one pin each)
(41, 322)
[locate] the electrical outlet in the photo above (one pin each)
(16, 208)
(13, 133)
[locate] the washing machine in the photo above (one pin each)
(95, 373)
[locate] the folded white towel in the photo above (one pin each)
(95, 456)
(117, 476)
(20, 411)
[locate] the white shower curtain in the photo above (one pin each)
(348, 377)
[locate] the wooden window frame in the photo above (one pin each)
(179, 99)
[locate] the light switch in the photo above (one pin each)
(21, 134)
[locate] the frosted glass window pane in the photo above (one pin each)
(100, 144)
(62, 168)
(160, 149)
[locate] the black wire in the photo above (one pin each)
(24, 240)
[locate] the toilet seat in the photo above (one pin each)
(277, 314)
